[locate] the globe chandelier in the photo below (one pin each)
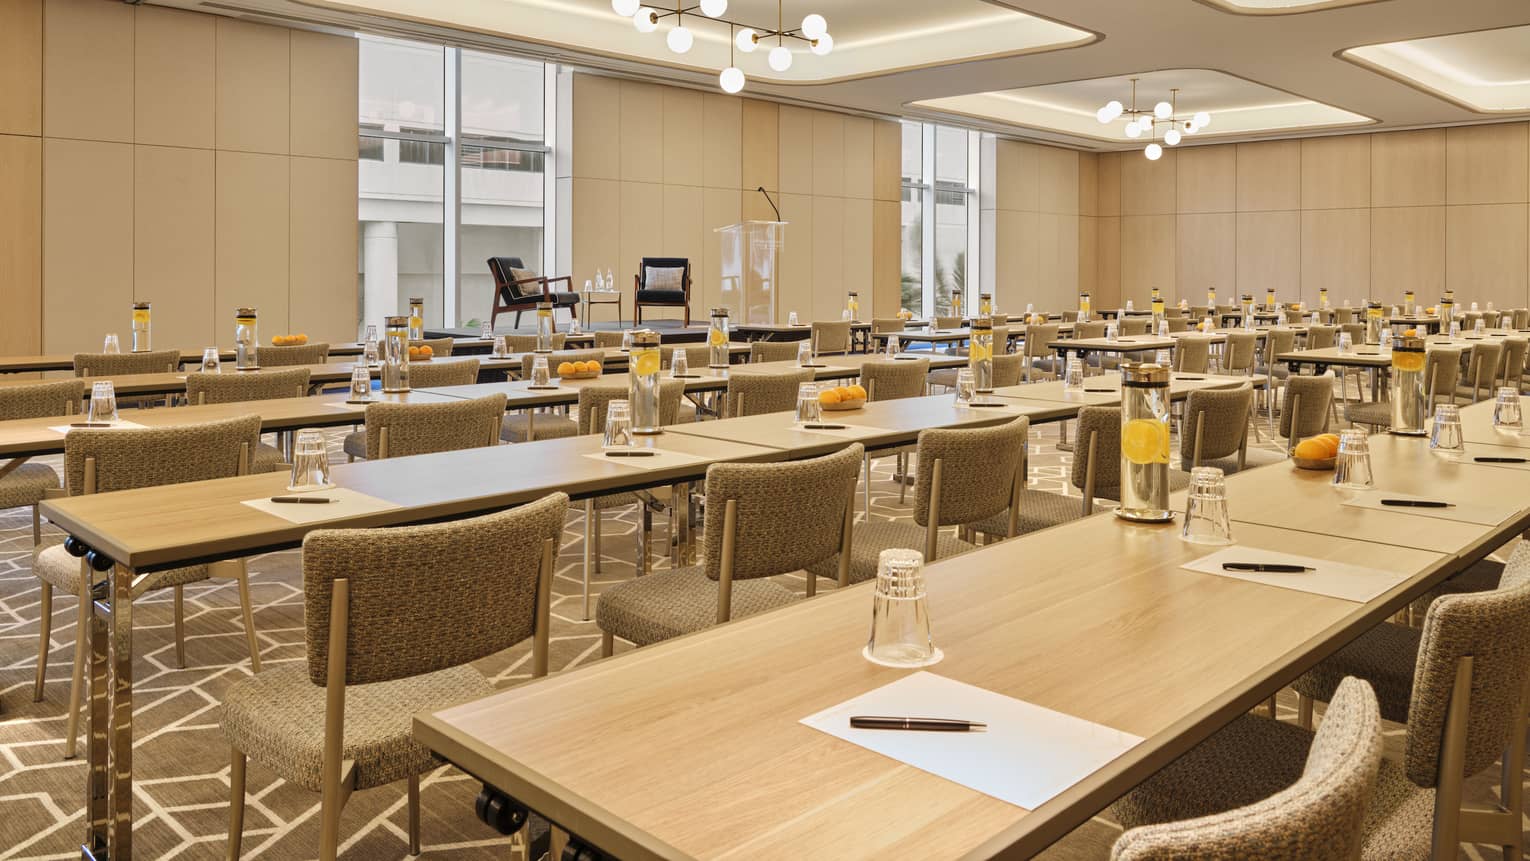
(1163, 116)
(812, 32)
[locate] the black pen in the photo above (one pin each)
(912, 723)
(302, 500)
(1415, 503)
(633, 453)
(91, 425)
(823, 427)
(1500, 460)
(1265, 567)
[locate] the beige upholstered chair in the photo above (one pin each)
(1007, 368)
(102, 461)
(773, 351)
(1521, 318)
(1460, 686)
(1469, 320)
(952, 322)
(1091, 329)
(528, 343)
(1317, 818)
(1442, 371)
(891, 379)
(762, 520)
(1344, 315)
(439, 373)
(1356, 332)
(697, 356)
(1037, 350)
(1214, 431)
(1276, 342)
(1136, 325)
(1482, 368)
(1178, 323)
(401, 430)
(523, 425)
(438, 346)
(1238, 353)
(1192, 354)
(963, 475)
(1511, 371)
(1307, 407)
(608, 340)
(30, 483)
(753, 394)
(119, 364)
(203, 388)
(887, 325)
(830, 338)
(1322, 337)
(295, 354)
(394, 619)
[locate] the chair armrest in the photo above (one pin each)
(55, 493)
(568, 280)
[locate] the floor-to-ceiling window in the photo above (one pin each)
(453, 168)
(940, 169)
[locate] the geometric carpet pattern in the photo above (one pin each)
(181, 762)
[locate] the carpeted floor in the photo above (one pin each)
(180, 759)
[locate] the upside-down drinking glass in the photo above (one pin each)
(809, 409)
(1352, 469)
(540, 376)
(1445, 438)
(1507, 417)
(212, 363)
(618, 425)
(900, 613)
(310, 462)
(103, 403)
(1206, 516)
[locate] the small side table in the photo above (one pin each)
(602, 297)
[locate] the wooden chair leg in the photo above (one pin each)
(235, 802)
(1269, 706)
(77, 677)
(249, 617)
(414, 814)
(180, 627)
(590, 514)
(1304, 711)
(607, 644)
(44, 633)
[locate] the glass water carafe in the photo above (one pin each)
(1375, 319)
(1144, 443)
(1447, 311)
(395, 367)
(141, 327)
(416, 319)
(985, 304)
(1410, 395)
(1248, 310)
(718, 337)
(643, 382)
(980, 354)
(246, 339)
(544, 327)
(853, 304)
(1085, 304)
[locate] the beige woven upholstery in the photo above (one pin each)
(1344, 315)
(594, 399)
(753, 394)
(1037, 352)
(1356, 332)
(1316, 395)
(788, 516)
(1091, 329)
(202, 388)
(1521, 318)
(1317, 818)
(1222, 417)
(1321, 337)
(1135, 325)
(438, 373)
(887, 325)
(696, 355)
(426, 427)
(528, 343)
(1007, 369)
(1482, 366)
(773, 351)
(296, 354)
(890, 379)
(1512, 368)
(29, 483)
(608, 340)
(1238, 353)
(515, 426)
(978, 471)
(422, 603)
(1178, 323)
(438, 346)
(1192, 354)
(831, 338)
(953, 322)
(118, 364)
(1276, 342)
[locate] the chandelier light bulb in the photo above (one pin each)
(814, 26)
(780, 58)
(1114, 107)
(744, 41)
(1163, 110)
(731, 79)
(1103, 115)
(679, 40)
(625, 8)
(1153, 152)
(1201, 119)
(1133, 130)
(1171, 137)
(643, 20)
(822, 45)
(1191, 128)
(713, 8)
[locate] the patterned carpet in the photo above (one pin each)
(180, 758)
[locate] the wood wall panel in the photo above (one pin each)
(322, 124)
(1017, 261)
(21, 180)
(1487, 164)
(1109, 183)
(87, 197)
(683, 237)
(322, 225)
(1207, 179)
(1336, 172)
(1269, 175)
(642, 132)
(1149, 187)
(796, 260)
(597, 123)
(1336, 254)
(886, 161)
(253, 112)
(1017, 181)
(858, 249)
(828, 257)
(1057, 181)
(1408, 250)
(721, 128)
(682, 136)
(88, 70)
(796, 150)
(760, 145)
(1486, 255)
(1088, 253)
(1088, 183)
(21, 67)
(173, 79)
(1147, 255)
(173, 242)
(1207, 245)
(1107, 270)
(1269, 251)
(858, 169)
(1408, 168)
(828, 154)
(252, 238)
(596, 221)
(1057, 259)
(886, 263)
(641, 228)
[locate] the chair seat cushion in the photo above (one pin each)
(276, 717)
(1039, 509)
(544, 426)
(870, 539)
(268, 458)
(1399, 823)
(673, 297)
(1385, 656)
(355, 444)
(27, 485)
(564, 300)
(1249, 760)
(1377, 413)
(56, 567)
(944, 377)
(668, 604)
(1229, 465)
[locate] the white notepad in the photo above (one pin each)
(1027, 755)
(120, 425)
(348, 503)
(1333, 579)
(849, 431)
(1484, 513)
(660, 459)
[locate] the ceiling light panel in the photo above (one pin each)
(1487, 71)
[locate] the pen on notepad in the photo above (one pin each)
(1415, 503)
(302, 500)
(1265, 568)
(912, 723)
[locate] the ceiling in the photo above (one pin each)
(1037, 69)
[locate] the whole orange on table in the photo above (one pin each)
(1321, 447)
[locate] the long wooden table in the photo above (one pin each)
(65, 361)
(692, 748)
(153, 385)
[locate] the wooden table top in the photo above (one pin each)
(65, 361)
(1180, 386)
(162, 527)
(693, 747)
(332, 372)
(1123, 344)
(1361, 356)
(928, 336)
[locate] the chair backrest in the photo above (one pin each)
(1037, 339)
(1482, 368)
(1493, 629)
(1179, 324)
(1000, 340)
(39, 400)
(1442, 373)
(1070, 316)
(1318, 818)
(831, 337)
(426, 598)
(127, 458)
(788, 515)
(664, 273)
(977, 471)
(438, 346)
(753, 394)
(696, 355)
(1293, 316)
(1469, 320)
(1238, 353)
(1276, 342)
(1316, 395)
(504, 282)
(1521, 318)
(1091, 329)
(954, 322)
(606, 340)
(1192, 355)
(527, 343)
(1007, 368)
(117, 364)
(1356, 331)
(296, 354)
(204, 388)
(594, 399)
(889, 379)
(893, 325)
(1136, 325)
(1222, 418)
(773, 351)
(1491, 319)
(1104, 425)
(400, 430)
(1513, 365)
(558, 357)
(436, 373)
(1344, 315)
(1320, 337)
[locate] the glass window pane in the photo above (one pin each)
(502, 216)
(501, 98)
(402, 84)
(913, 250)
(913, 152)
(951, 201)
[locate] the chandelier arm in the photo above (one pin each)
(761, 33)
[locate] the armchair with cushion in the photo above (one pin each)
(518, 289)
(662, 282)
